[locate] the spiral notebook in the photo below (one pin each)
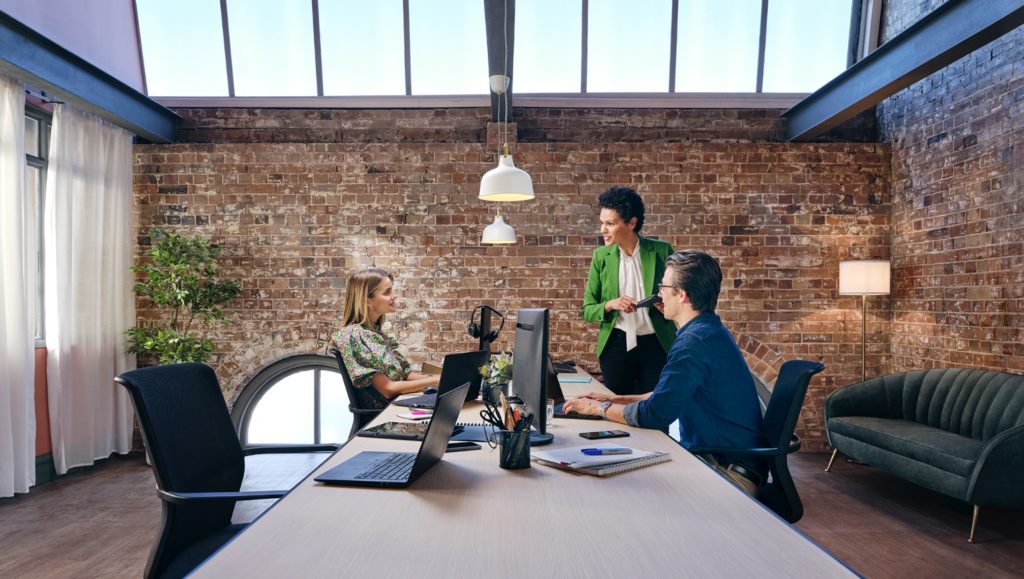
(572, 459)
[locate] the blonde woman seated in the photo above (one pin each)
(378, 371)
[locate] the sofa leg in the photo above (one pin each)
(831, 460)
(974, 523)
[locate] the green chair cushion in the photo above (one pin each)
(944, 450)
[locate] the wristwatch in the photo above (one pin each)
(604, 408)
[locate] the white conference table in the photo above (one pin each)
(468, 517)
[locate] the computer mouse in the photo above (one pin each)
(430, 390)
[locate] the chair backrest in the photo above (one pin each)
(361, 414)
(193, 448)
(780, 495)
(787, 399)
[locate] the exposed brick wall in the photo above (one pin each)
(300, 199)
(958, 229)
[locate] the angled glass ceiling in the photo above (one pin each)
(296, 48)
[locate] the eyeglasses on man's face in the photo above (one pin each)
(661, 286)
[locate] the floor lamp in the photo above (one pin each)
(867, 277)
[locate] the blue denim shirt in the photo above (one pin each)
(707, 386)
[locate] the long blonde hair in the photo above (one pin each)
(361, 286)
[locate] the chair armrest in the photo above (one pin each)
(998, 477)
(185, 498)
(794, 445)
(286, 449)
(355, 410)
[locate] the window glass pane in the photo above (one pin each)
(32, 136)
(547, 46)
(448, 43)
(183, 47)
(34, 183)
(628, 45)
(805, 44)
(335, 419)
(285, 412)
(272, 47)
(717, 46)
(362, 47)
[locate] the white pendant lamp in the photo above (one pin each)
(498, 233)
(506, 182)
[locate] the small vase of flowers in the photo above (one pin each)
(497, 374)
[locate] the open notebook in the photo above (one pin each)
(573, 459)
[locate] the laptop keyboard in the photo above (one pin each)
(398, 466)
(422, 401)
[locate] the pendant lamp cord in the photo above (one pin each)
(504, 127)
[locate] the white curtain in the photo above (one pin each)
(88, 297)
(17, 300)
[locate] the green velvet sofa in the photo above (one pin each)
(956, 431)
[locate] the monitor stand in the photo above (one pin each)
(538, 439)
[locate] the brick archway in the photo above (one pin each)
(239, 368)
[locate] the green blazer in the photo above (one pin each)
(603, 285)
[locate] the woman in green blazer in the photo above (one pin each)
(632, 342)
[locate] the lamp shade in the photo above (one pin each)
(867, 277)
(498, 233)
(506, 182)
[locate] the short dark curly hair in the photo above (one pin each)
(626, 202)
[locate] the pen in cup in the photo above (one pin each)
(604, 451)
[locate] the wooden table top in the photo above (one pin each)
(466, 516)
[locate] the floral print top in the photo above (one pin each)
(366, 354)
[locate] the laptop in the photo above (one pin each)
(400, 469)
(457, 369)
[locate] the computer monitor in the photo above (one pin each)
(530, 370)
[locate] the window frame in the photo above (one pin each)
(268, 377)
(41, 163)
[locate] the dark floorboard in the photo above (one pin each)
(100, 521)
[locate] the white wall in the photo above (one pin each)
(99, 31)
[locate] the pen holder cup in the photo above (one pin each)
(513, 449)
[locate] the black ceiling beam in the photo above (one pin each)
(500, 27)
(33, 59)
(948, 33)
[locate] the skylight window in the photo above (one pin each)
(448, 42)
(183, 45)
(628, 49)
(548, 47)
(272, 47)
(439, 47)
(717, 46)
(806, 44)
(363, 47)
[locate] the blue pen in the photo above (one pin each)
(603, 451)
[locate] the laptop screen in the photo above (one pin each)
(446, 413)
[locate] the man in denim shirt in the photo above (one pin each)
(705, 384)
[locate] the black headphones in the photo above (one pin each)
(474, 328)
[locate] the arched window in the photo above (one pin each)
(297, 400)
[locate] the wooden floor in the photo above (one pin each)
(100, 521)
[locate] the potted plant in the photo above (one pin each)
(181, 279)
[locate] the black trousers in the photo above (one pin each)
(633, 372)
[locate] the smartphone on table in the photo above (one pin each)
(598, 435)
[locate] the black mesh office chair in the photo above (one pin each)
(197, 460)
(361, 415)
(779, 494)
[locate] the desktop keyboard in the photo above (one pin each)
(577, 415)
(395, 467)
